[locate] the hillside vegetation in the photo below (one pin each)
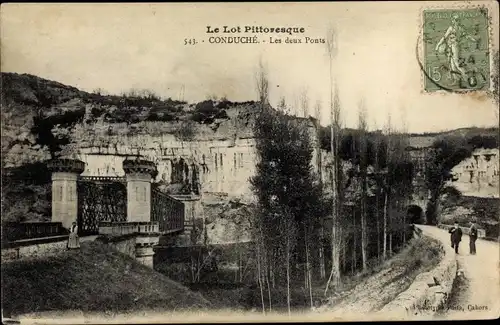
(94, 278)
(43, 119)
(463, 209)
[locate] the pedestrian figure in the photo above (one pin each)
(473, 238)
(456, 236)
(73, 240)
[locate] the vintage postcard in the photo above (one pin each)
(249, 162)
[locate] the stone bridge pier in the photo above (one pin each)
(65, 174)
(139, 175)
(150, 214)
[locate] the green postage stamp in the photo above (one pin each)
(456, 49)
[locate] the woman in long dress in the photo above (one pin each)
(73, 241)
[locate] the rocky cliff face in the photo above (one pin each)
(479, 174)
(213, 139)
(52, 119)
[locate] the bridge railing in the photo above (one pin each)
(105, 179)
(128, 228)
(167, 211)
(12, 231)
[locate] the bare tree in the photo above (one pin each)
(335, 111)
(304, 102)
(181, 93)
(322, 271)
(282, 105)
(362, 126)
(262, 83)
(290, 235)
(262, 86)
(309, 271)
(317, 110)
(388, 135)
(212, 97)
(403, 145)
(295, 107)
(259, 270)
(376, 146)
(99, 91)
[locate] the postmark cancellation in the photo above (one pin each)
(456, 49)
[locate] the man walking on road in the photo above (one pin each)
(473, 238)
(456, 236)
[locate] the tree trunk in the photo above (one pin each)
(306, 282)
(334, 144)
(270, 268)
(334, 278)
(322, 270)
(354, 242)
(384, 253)
(344, 252)
(273, 280)
(237, 270)
(390, 244)
(308, 271)
(363, 230)
(404, 226)
(377, 216)
(391, 232)
(193, 269)
(259, 278)
(288, 274)
(242, 270)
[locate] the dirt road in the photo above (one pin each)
(477, 291)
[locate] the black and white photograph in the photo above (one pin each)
(249, 162)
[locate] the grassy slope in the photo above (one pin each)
(94, 278)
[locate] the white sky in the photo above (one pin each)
(117, 47)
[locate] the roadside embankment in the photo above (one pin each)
(386, 281)
(430, 290)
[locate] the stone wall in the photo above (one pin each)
(428, 292)
(37, 248)
(125, 245)
(34, 251)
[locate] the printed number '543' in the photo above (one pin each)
(434, 73)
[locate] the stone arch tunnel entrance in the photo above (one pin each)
(415, 214)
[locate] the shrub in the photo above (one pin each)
(164, 117)
(206, 107)
(222, 115)
(186, 131)
(97, 111)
